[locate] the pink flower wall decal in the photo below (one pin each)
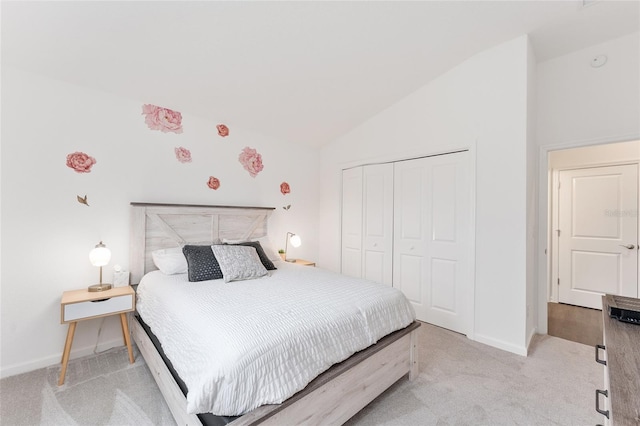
(183, 155)
(214, 183)
(251, 161)
(222, 130)
(163, 119)
(285, 188)
(80, 162)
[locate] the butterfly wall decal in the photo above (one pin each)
(83, 200)
(287, 207)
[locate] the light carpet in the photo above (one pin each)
(461, 382)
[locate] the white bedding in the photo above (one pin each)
(243, 344)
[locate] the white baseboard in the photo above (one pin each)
(505, 346)
(25, 367)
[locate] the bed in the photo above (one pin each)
(331, 398)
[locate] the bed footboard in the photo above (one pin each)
(339, 398)
(332, 398)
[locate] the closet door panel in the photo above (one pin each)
(431, 214)
(377, 240)
(442, 248)
(409, 232)
(351, 260)
(409, 195)
(443, 285)
(443, 206)
(447, 246)
(410, 277)
(373, 266)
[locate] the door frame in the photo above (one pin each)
(471, 167)
(545, 228)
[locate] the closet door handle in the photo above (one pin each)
(606, 394)
(598, 360)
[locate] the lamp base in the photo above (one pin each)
(99, 287)
(290, 260)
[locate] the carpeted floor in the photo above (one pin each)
(460, 383)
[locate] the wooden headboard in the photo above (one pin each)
(158, 226)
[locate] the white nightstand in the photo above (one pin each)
(80, 305)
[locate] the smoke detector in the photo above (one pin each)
(599, 61)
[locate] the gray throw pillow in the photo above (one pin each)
(239, 262)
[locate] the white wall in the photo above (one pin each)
(47, 234)
(578, 105)
(481, 104)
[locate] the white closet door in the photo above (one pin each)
(352, 222)
(377, 241)
(431, 236)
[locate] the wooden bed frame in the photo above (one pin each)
(334, 396)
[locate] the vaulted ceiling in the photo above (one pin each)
(306, 72)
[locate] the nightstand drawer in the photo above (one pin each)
(90, 309)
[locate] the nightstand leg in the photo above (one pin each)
(127, 337)
(67, 350)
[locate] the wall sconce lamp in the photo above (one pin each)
(100, 256)
(295, 241)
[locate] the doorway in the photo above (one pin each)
(593, 232)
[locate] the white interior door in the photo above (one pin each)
(377, 230)
(351, 261)
(431, 237)
(597, 234)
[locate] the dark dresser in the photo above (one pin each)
(619, 402)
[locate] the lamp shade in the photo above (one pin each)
(295, 240)
(100, 255)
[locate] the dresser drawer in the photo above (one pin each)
(97, 308)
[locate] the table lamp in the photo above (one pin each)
(295, 241)
(100, 256)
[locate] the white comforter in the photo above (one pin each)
(243, 344)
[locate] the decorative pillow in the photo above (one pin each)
(202, 264)
(239, 262)
(170, 261)
(271, 253)
(261, 254)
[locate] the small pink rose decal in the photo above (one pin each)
(285, 188)
(222, 130)
(163, 119)
(251, 161)
(214, 183)
(183, 155)
(80, 162)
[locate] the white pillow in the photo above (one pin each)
(170, 261)
(271, 253)
(239, 262)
